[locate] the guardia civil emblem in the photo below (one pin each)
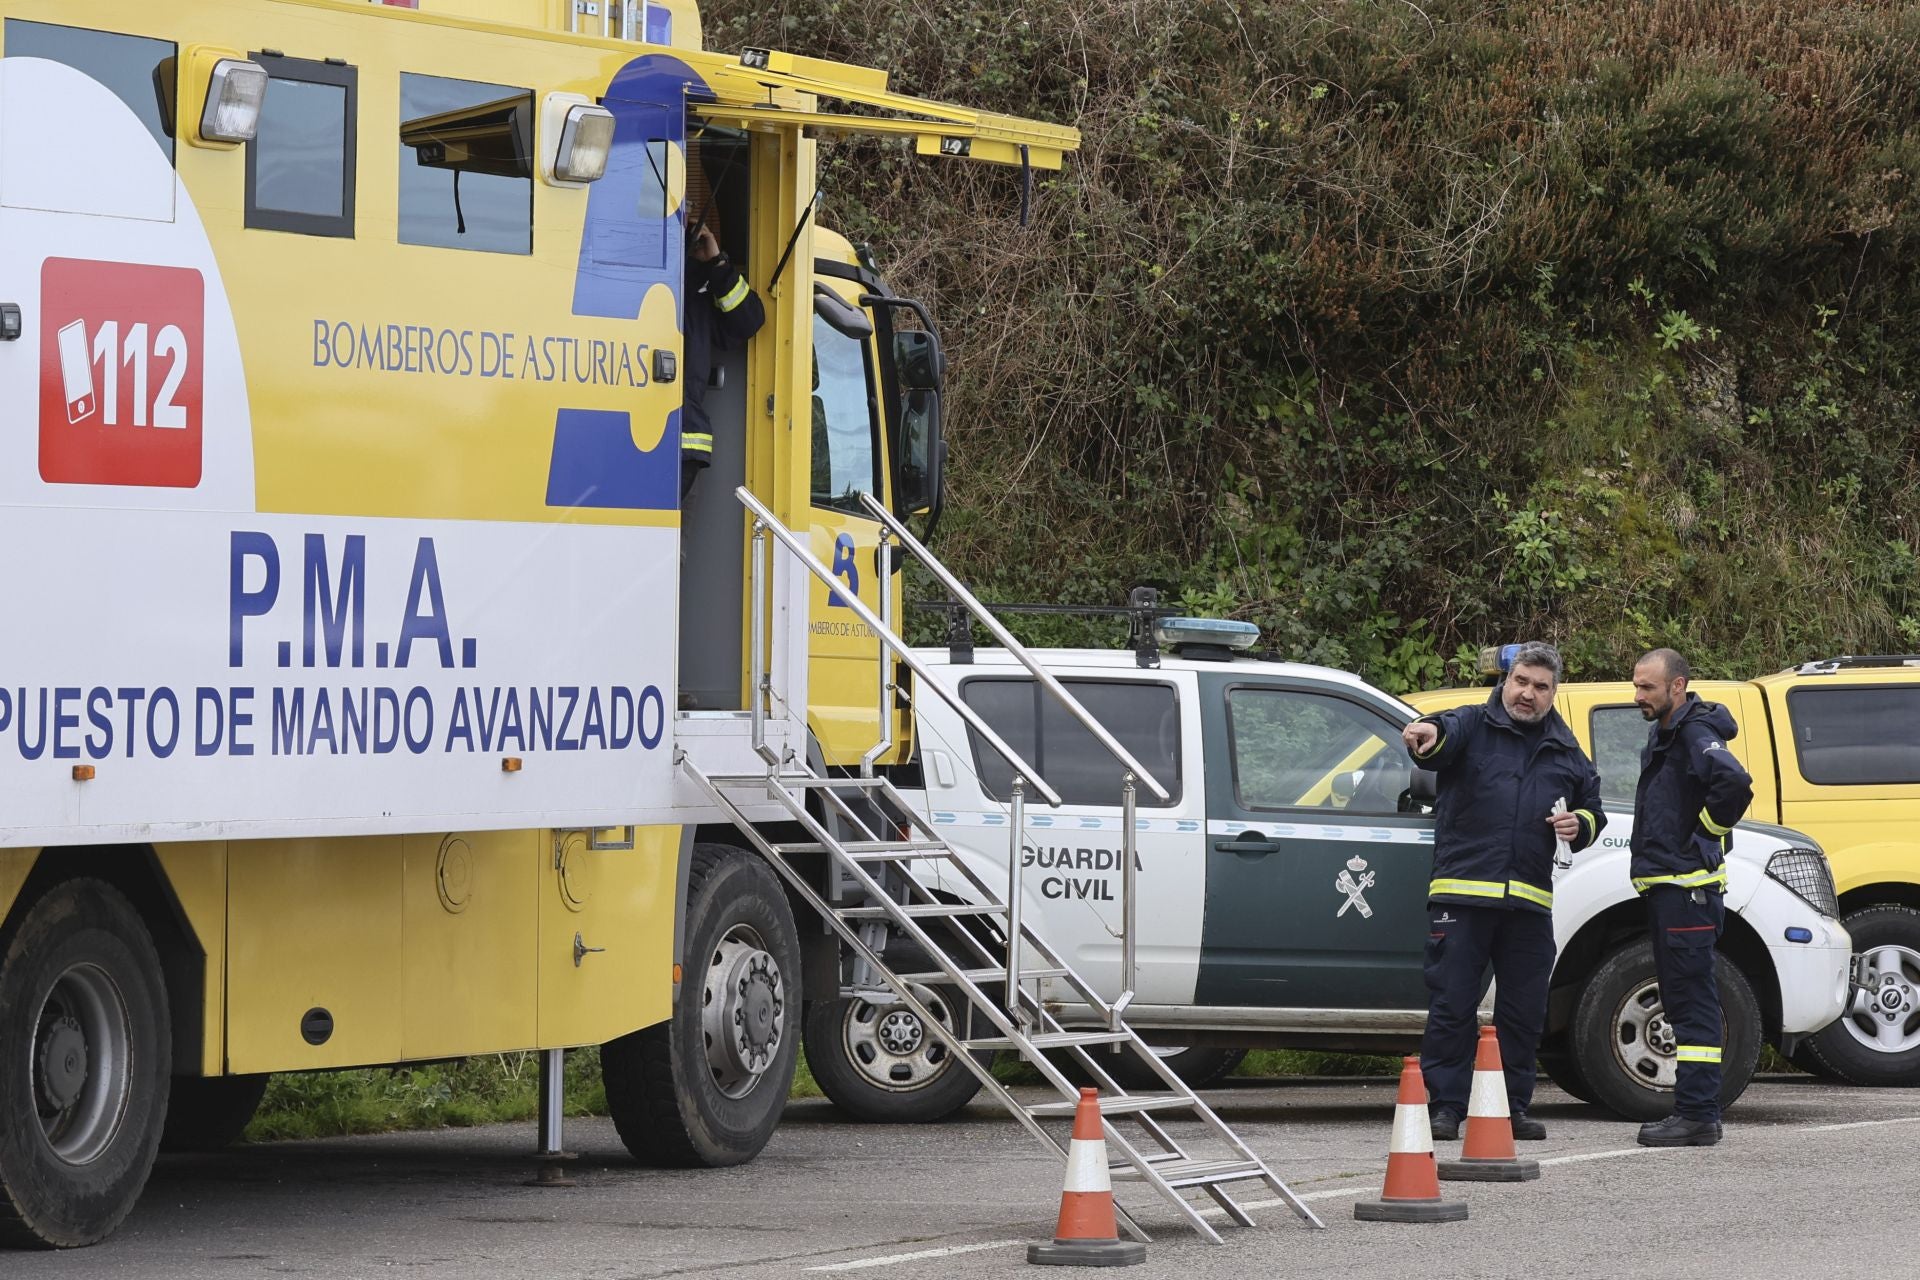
(1354, 882)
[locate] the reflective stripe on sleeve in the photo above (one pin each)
(1713, 828)
(1593, 824)
(1691, 880)
(1697, 1053)
(1539, 897)
(1469, 888)
(734, 296)
(696, 442)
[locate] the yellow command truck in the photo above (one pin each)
(1834, 750)
(357, 622)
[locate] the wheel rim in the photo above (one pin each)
(1643, 1039)
(1884, 1013)
(743, 1011)
(891, 1047)
(82, 1063)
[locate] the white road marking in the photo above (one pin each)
(1857, 1124)
(947, 1252)
(1604, 1155)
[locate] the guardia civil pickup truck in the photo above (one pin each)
(1282, 889)
(1834, 749)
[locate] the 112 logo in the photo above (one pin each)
(121, 373)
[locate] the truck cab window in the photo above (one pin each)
(300, 165)
(1299, 750)
(466, 165)
(1618, 734)
(1145, 717)
(846, 452)
(138, 70)
(1857, 737)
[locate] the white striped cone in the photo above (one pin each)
(1488, 1154)
(1088, 1233)
(1412, 1193)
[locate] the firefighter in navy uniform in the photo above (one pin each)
(1690, 794)
(1502, 767)
(721, 308)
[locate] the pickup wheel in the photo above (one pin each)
(1623, 1046)
(1198, 1066)
(879, 1061)
(1564, 1069)
(83, 1085)
(1876, 1041)
(706, 1087)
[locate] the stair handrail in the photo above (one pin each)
(765, 521)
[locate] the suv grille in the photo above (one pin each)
(1805, 871)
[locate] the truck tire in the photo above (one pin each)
(209, 1113)
(706, 1087)
(877, 1061)
(1877, 1040)
(1197, 1065)
(1563, 1069)
(1623, 1045)
(83, 1093)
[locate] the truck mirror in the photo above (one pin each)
(918, 360)
(922, 452)
(841, 316)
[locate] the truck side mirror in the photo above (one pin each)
(1423, 788)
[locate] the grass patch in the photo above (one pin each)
(1308, 1062)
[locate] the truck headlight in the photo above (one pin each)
(1805, 871)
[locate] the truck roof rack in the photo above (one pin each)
(1142, 608)
(1848, 662)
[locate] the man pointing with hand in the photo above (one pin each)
(1501, 767)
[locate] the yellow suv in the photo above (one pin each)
(1834, 750)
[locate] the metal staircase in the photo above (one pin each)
(870, 836)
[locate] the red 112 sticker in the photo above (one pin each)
(120, 373)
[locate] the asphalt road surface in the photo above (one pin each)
(1813, 1180)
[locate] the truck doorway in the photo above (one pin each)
(712, 531)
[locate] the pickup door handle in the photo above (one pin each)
(1248, 846)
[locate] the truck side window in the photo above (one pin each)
(1299, 750)
(1864, 736)
(1144, 716)
(466, 165)
(138, 70)
(1618, 735)
(846, 452)
(300, 175)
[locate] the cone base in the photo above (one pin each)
(1088, 1253)
(1469, 1169)
(1410, 1211)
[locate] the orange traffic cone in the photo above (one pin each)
(1488, 1154)
(1412, 1193)
(1088, 1234)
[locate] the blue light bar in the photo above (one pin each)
(1224, 632)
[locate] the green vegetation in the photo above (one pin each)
(1400, 329)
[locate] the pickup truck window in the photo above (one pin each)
(1618, 733)
(1144, 716)
(1297, 750)
(1862, 736)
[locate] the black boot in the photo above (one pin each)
(1679, 1131)
(1446, 1124)
(1527, 1129)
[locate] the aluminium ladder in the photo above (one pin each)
(870, 835)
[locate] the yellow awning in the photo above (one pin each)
(749, 90)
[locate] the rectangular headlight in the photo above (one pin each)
(234, 94)
(586, 139)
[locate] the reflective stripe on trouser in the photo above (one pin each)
(1684, 932)
(1462, 940)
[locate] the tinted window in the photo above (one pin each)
(1856, 737)
(844, 454)
(1144, 717)
(1619, 734)
(466, 165)
(139, 71)
(1297, 750)
(300, 165)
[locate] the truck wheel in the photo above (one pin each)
(1877, 1040)
(1197, 1065)
(1624, 1046)
(706, 1087)
(210, 1113)
(83, 1087)
(878, 1061)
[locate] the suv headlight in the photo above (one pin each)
(1805, 871)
